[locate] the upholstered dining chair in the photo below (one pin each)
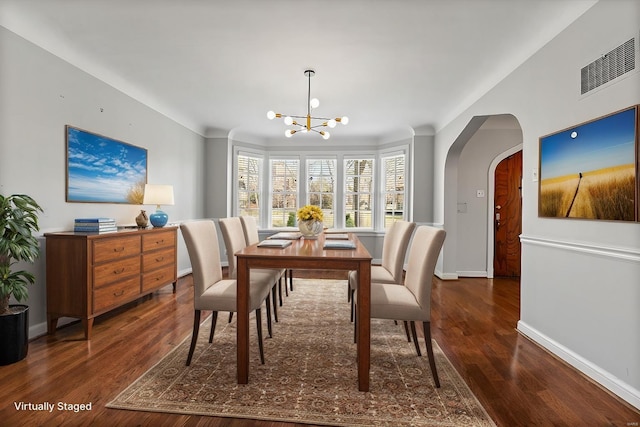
(211, 290)
(234, 241)
(394, 249)
(251, 236)
(412, 302)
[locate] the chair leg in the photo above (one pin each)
(406, 331)
(415, 338)
(353, 309)
(230, 316)
(280, 290)
(286, 275)
(274, 290)
(259, 326)
(291, 280)
(426, 327)
(194, 335)
(269, 329)
(214, 320)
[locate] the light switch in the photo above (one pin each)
(480, 193)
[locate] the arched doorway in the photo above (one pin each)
(468, 215)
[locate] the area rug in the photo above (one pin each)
(310, 374)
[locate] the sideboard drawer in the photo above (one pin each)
(116, 294)
(116, 270)
(163, 239)
(116, 247)
(158, 278)
(158, 259)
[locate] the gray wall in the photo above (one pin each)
(216, 177)
(423, 178)
(580, 279)
(39, 95)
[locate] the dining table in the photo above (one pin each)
(311, 254)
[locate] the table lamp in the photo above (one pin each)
(155, 194)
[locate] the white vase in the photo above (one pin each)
(310, 229)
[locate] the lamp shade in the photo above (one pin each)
(158, 195)
(155, 194)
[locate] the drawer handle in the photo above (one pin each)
(118, 271)
(159, 259)
(159, 242)
(118, 294)
(159, 278)
(118, 249)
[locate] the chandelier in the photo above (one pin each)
(308, 125)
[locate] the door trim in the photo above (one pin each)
(490, 203)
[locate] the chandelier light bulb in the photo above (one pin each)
(315, 103)
(289, 133)
(288, 120)
(344, 120)
(325, 135)
(331, 123)
(271, 115)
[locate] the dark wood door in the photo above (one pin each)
(507, 215)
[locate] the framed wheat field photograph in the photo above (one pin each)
(590, 171)
(103, 170)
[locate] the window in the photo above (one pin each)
(284, 192)
(393, 172)
(321, 188)
(249, 185)
(358, 194)
(361, 189)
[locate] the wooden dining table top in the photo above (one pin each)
(309, 250)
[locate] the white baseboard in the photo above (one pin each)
(184, 272)
(445, 276)
(40, 329)
(472, 274)
(597, 374)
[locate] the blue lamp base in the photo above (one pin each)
(158, 218)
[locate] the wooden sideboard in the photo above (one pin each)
(89, 274)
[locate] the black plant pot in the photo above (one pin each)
(14, 335)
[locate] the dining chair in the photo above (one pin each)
(234, 241)
(210, 290)
(412, 302)
(394, 249)
(251, 236)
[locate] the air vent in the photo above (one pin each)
(611, 65)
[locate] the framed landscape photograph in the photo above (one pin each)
(102, 169)
(591, 170)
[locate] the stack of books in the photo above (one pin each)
(274, 243)
(285, 235)
(339, 244)
(95, 225)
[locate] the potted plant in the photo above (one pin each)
(18, 222)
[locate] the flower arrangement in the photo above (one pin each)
(310, 212)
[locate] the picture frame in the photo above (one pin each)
(100, 169)
(590, 171)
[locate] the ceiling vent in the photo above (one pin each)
(609, 66)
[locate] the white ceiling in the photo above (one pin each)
(219, 66)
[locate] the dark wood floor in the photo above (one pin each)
(473, 321)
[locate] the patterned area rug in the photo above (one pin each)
(310, 374)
